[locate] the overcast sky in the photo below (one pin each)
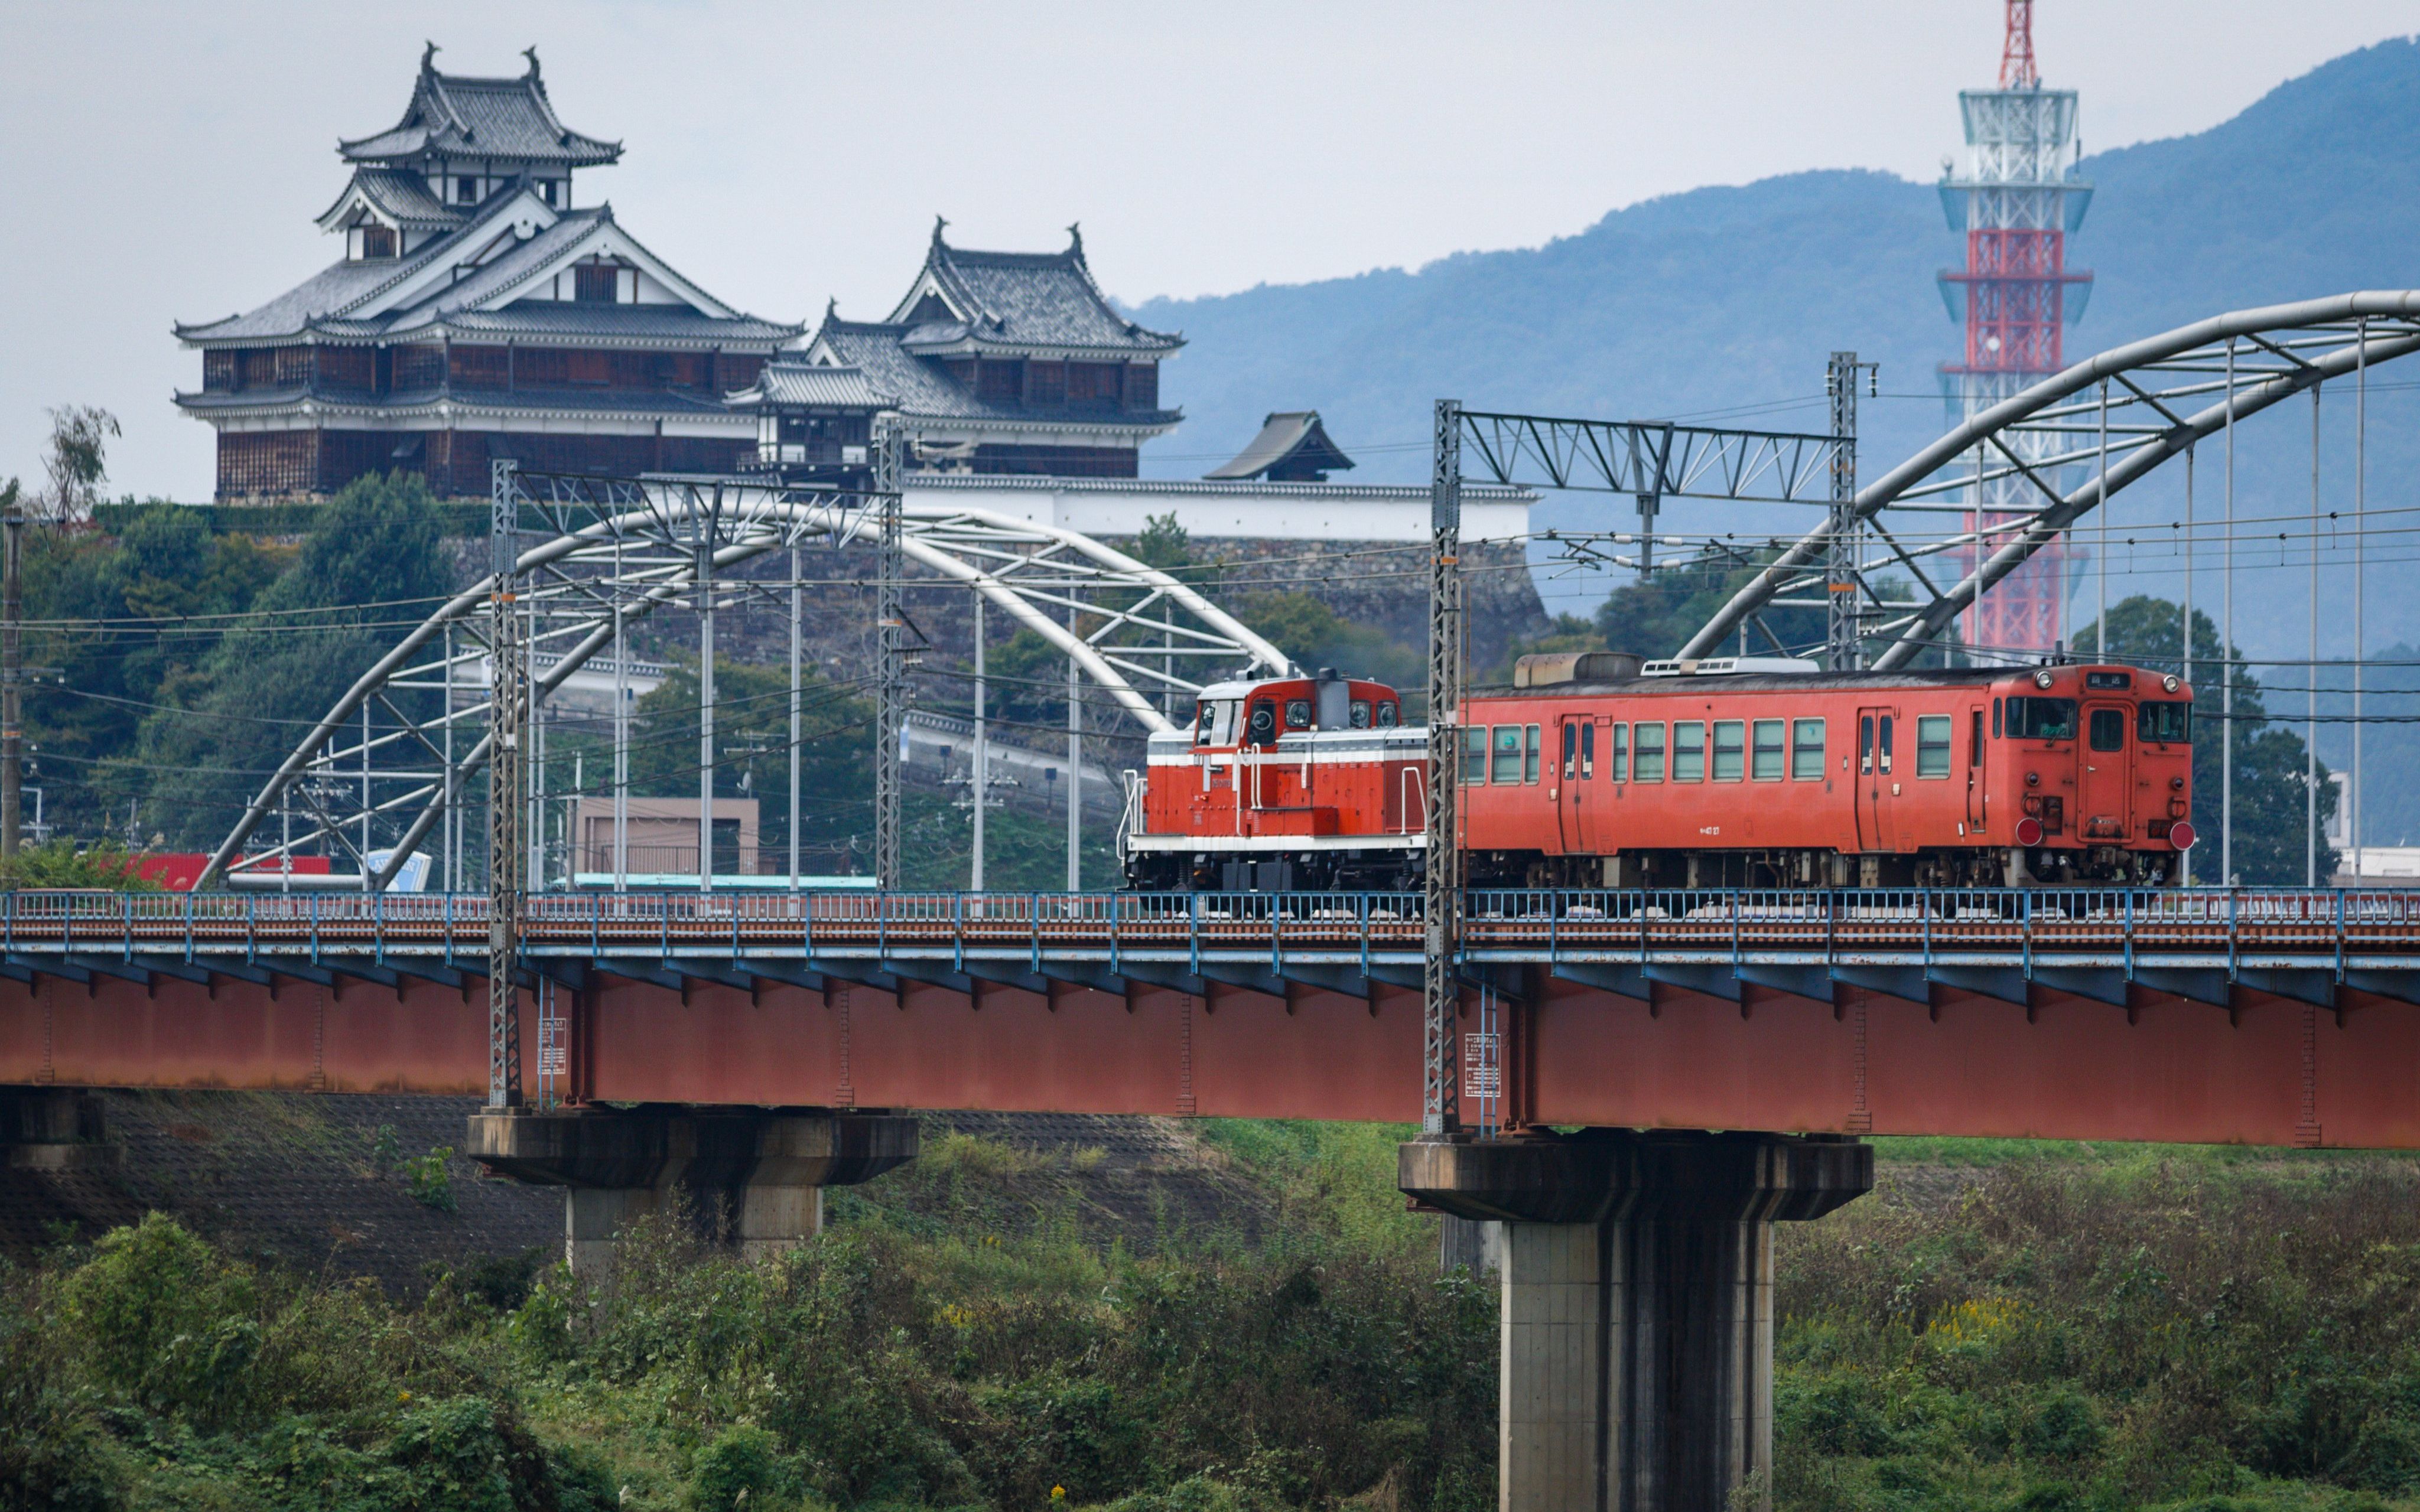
(165, 162)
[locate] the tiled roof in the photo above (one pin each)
(924, 391)
(1022, 301)
(594, 401)
(402, 196)
(342, 300)
(459, 116)
(804, 383)
(1292, 434)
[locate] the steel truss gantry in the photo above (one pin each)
(1650, 460)
(2110, 421)
(391, 763)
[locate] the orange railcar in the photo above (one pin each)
(1594, 772)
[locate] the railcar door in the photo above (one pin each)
(1976, 810)
(1577, 753)
(2108, 780)
(1877, 779)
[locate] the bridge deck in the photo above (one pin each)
(2253, 1015)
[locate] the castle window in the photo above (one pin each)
(377, 241)
(466, 191)
(546, 190)
(594, 283)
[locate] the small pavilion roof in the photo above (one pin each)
(1292, 446)
(790, 381)
(965, 300)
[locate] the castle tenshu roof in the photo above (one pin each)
(458, 116)
(966, 301)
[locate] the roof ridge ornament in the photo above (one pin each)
(531, 53)
(428, 60)
(1076, 239)
(938, 223)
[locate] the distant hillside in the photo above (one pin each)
(1726, 297)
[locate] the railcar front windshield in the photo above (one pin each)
(1215, 724)
(2041, 718)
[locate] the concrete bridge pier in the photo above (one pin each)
(1637, 1304)
(55, 1129)
(751, 1179)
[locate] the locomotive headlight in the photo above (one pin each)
(2042, 679)
(2171, 683)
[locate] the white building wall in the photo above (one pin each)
(1256, 511)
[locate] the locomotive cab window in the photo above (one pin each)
(1766, 765)
(2040, 718)
(1216, 726)
(1617, 752)
(1297, 714)
(1688, 750)
(2164, 723)
(1807, 750)
(1647, 758)
(2108, 729)
(1933, 745)
(1359, 718)
(1731, 750)
(1474, 755)
(1506, 765)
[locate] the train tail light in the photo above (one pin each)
(2180, 834)
(2029, 831)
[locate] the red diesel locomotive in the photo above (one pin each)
(1594, 770)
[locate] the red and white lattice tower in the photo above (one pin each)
(2017, 200)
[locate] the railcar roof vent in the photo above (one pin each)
(1545, 669)
(1717, 666)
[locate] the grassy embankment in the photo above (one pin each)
(2036, 1327)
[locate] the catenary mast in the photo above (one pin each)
(2018, 197)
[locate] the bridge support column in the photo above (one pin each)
(746, 1178)
(1637, 1304)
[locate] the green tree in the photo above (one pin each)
(1312, 635)
(370, 567)
(1655, 616)
(2271, 828)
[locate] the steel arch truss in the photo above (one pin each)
(383, 767)
(2163, 394)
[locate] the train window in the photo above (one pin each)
(1261, 729)
(2165, 723)
(1866, 745)
(1571, 749)
(1506, 765)
(1359, 718)
(1387, 714)
(1886, 743)
(1731, 750)
(1688, 750)
(2108, 729)
(1647, 758)
(2038, 718)
(1530, 749)
(1297, 714)
(1204, 716)
(1933, 745)
(1474, 755)
(1807, 750)
(1617, 752)
(1587, 750)
(1995, 718)
(1975, 737)
(1767, 747)
(1217, 724)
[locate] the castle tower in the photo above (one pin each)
(2017, 200)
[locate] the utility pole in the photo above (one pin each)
(891, 629)
(1441, 986)
(1843, 583)
(508, 690)
(12, 675)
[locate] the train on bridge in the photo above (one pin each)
(1598, 769)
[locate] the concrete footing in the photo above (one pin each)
(1636, 1272)
(748, 1179)
(54, 1129)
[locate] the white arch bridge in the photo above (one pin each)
(392, 762)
